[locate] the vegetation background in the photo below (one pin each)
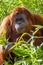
(6, 6)
(27, 54)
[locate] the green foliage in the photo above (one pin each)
(6, 6)
(26, 53)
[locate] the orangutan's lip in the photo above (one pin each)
(20, 30)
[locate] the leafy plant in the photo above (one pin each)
(26, 53)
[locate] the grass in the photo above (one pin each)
(26, 53)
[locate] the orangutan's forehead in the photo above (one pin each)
(19, 15)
